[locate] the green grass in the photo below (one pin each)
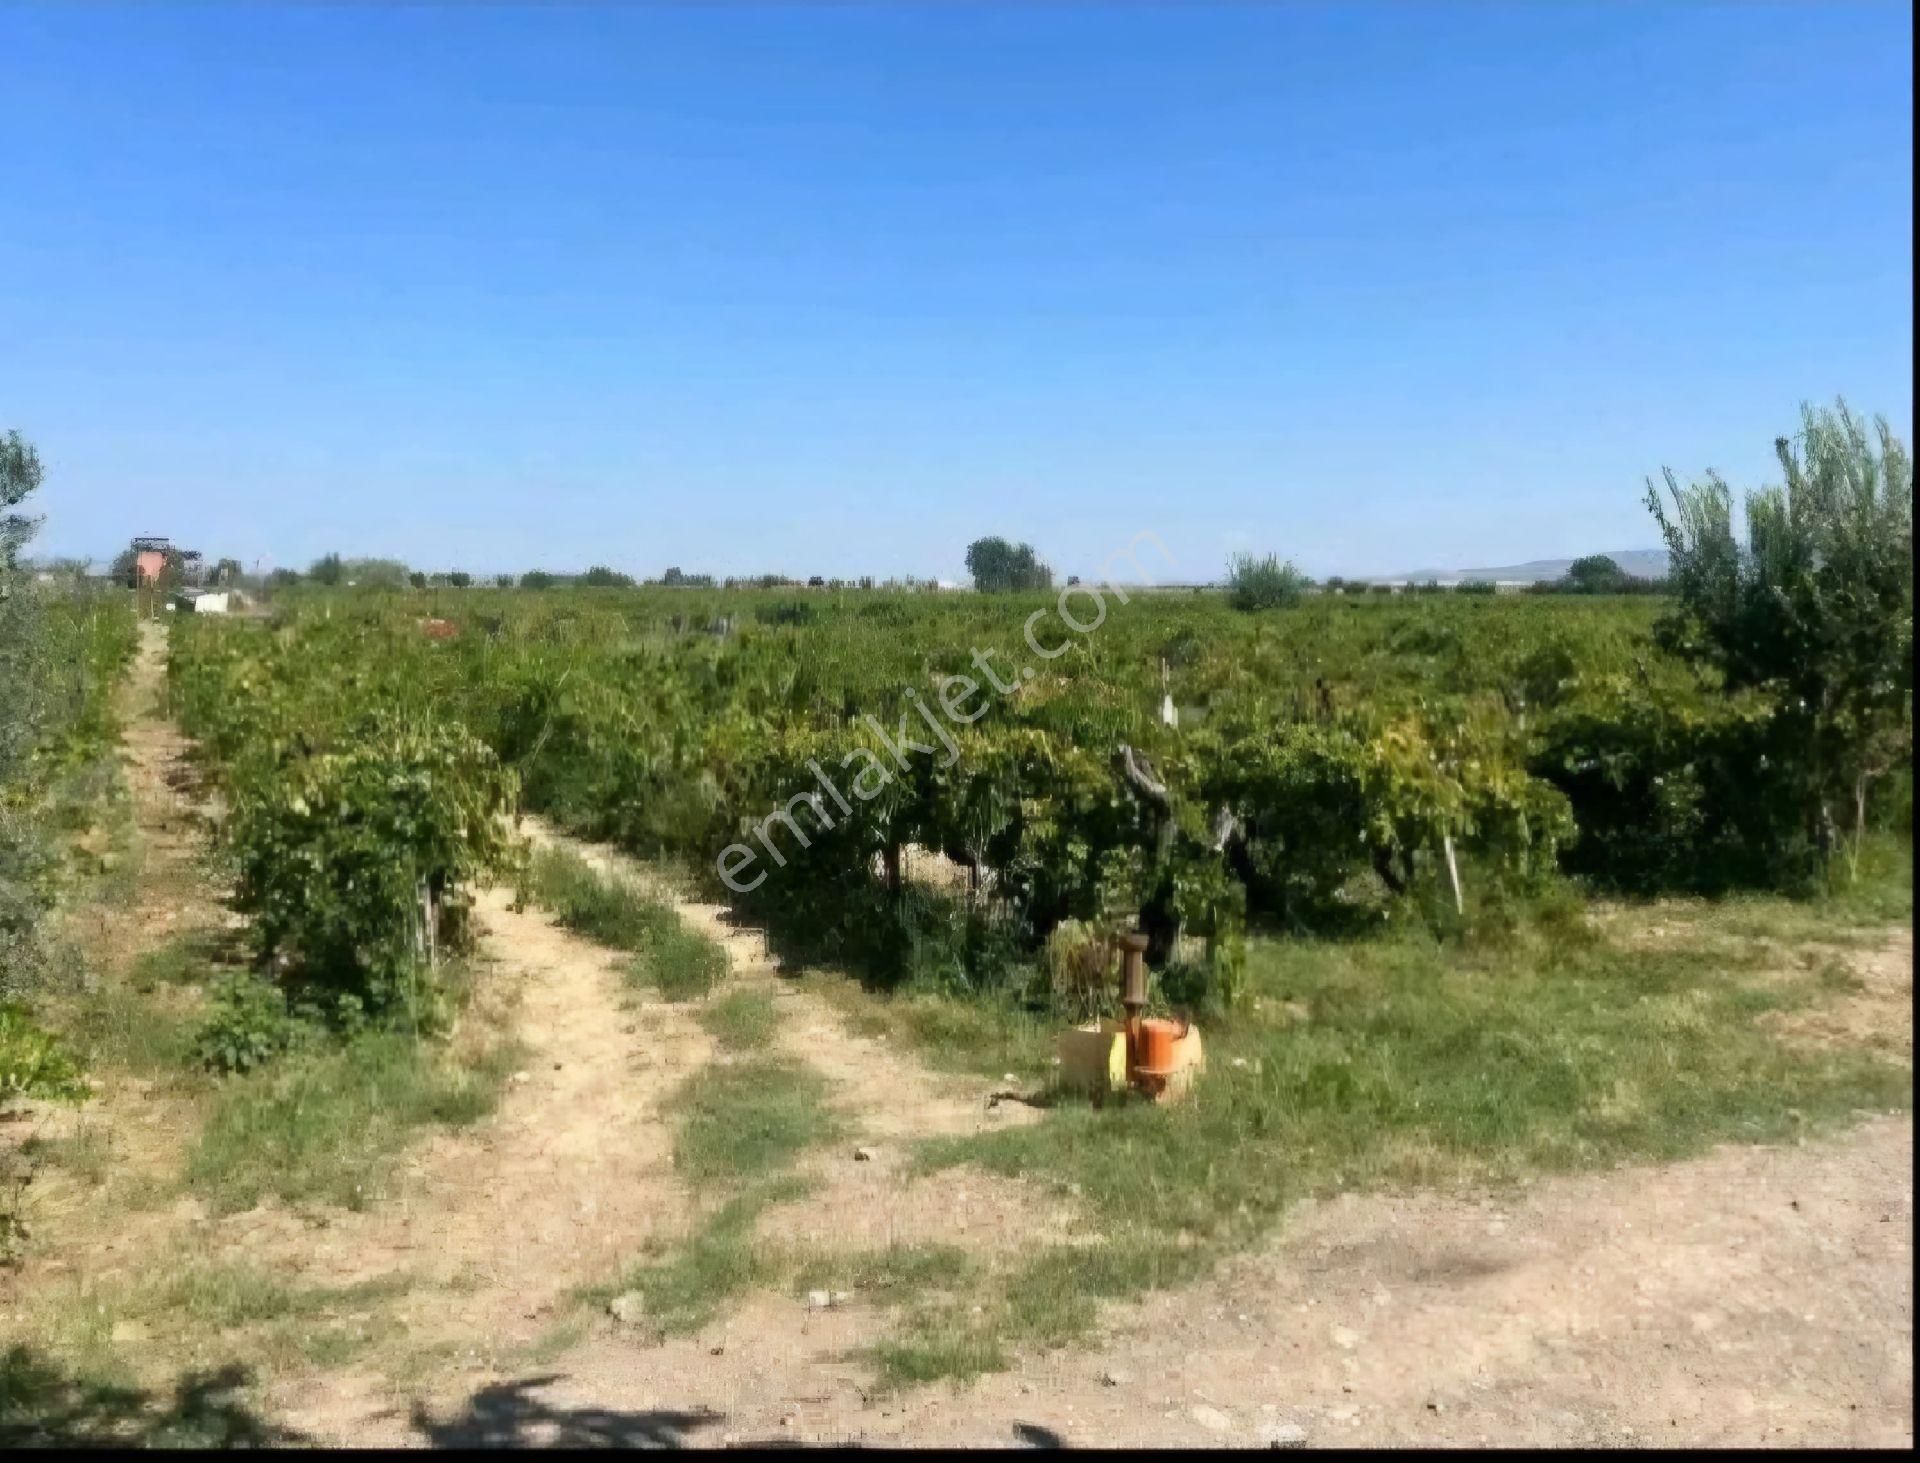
(1853, 910)
(749, 1119)
(678, 962)
(222, 1297)
(325, 1126)
(935, 1347)
(190, 959)
(1418, 1062)
(743, 1020)
(986, 1037)
(197, 1318)
(87, 1152)
(740, 1125)
(683, 1286)
(893, 1272)
(117, 1025)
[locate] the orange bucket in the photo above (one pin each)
(1156, 1046)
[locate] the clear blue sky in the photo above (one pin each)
(835, 289)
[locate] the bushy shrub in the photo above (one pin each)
(1814, 610)
(1263, 584)
(1082, 970)
(248, 1026)
(34, 1062)
(357, 860)
(1673, 791)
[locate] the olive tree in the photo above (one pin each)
(1815, 607)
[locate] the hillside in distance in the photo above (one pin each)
(1640, 563)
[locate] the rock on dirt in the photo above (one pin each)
(629, 1309)
(1213, 1419)
(1283, 1435)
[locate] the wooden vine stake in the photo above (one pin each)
(1453, 875)
(427, 923)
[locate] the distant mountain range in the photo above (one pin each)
(1640, 563)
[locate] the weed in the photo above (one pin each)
(684, 1287)
(749, 1119)
(86, 1153)
(324, 1126)
(1402, 1060)
(889, 1274)
(678, 962)
(742, 1020)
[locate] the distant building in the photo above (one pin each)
(191, 601)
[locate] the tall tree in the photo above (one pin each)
(20, 474)
(997, 566)
(1816, 607)
(1596, 574)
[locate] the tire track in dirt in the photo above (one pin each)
(140, 1122)
(891, 1100)
(768, 1355)
(561, 1187)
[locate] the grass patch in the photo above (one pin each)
(190, 959)
(1852, 911)
(150, 1035)
(934, 1348)
(87, 1152)
(222, 1297)
(613, 911)
(678, 962)
(1403, 1060)
(891, 1273)
(749, 1119)
(210, 1316)
(985, 1037)
(740, 1125)
(323, 1127)
(742, 1020)
(682, 1287)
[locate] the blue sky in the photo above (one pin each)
(835, 289)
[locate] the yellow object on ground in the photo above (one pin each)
(1093, 1058)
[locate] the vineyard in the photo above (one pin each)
(1195, 769)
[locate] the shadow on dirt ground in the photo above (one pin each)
(42, 1406)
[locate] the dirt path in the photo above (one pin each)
(889, 1097)
(1756, 1296)
(160, 894)
(575, 1173)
